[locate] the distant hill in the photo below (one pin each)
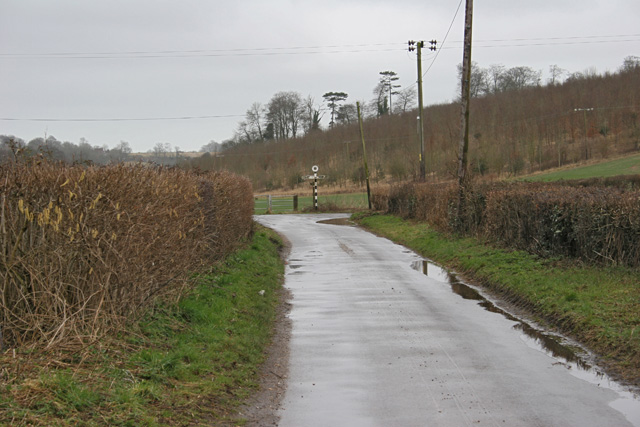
(513, 132)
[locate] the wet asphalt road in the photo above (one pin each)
(377, 343)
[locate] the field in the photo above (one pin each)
(346, 202)
(623, 166)
(629, 165)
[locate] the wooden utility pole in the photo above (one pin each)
(364, 155)
(423, 169)
(417, 46)
(464, 112)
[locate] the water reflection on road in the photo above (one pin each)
(559, 347)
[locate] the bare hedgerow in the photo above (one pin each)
(594, 220)
(81, 248)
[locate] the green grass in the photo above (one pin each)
(599, 306)
(347, 202)
(190, 363)
(625, 166)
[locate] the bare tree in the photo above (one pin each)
(555, 73)
(381, 102)
(243, 134)
(520, 77)
(120, 152)
(347, 114)
(313, 115)
(406, 99)
(285, 112)
(478, 85)
(124, 147)
(211, 147)
(159, 150)
(495, 77)
(251, 129)
(254, 118)
(630, 63)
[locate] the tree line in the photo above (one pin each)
(84, 152)
(290, 115)
(518, 124)
(497, 78)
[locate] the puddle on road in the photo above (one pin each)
(628, 403)
(549, 343)
(338, 221)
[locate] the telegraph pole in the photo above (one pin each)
(417, 46)
(364, 156)
(464, 113)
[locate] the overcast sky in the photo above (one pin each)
(68, 60)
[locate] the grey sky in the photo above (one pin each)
(211, 58)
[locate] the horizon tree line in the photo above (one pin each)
(522, 127)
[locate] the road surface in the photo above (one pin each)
(376, 342)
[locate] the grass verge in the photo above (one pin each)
(190, 363)
(598, 306)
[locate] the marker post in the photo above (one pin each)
(315, 177)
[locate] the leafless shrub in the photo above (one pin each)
(590, 223)
(595, 220)
(83, 248)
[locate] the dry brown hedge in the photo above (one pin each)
(81, 248)
(595, 221)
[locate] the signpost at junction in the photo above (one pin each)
(315, 177)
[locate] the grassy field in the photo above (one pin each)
(347, 202)
(192, 363)
(624, 166)
(599, 306)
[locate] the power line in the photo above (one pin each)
(200, 50)
(129, 119)
(479, 45)
(555, 38)
(444, 39)
(549, 41)
(319, 49)
(266, 51)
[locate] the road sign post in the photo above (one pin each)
(315, 177)
(315, 187)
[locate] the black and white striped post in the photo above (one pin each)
(315, 186)
(315, 177)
